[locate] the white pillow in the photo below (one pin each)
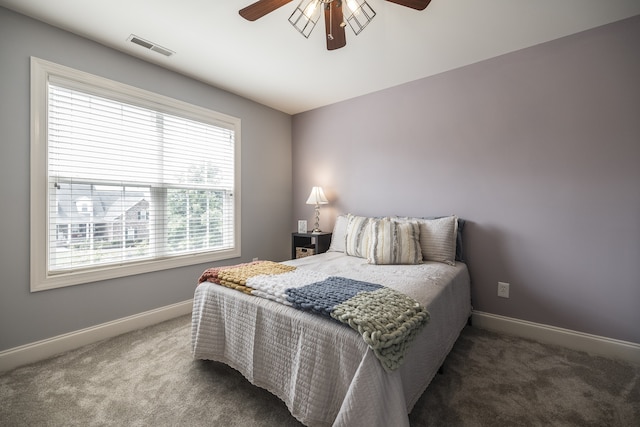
(438, 239)
(357, 236)
(338, 236)
(394, 242)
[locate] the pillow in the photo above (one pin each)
(338, 236)
(393, 242)
(438, 239)
(459, 253)
(357, 236)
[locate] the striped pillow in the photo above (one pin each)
(394, 242)
(357, 236)
(438, 239)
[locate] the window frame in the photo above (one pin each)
(40, 277)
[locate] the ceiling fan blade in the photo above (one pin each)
(261, 8)
(413, 4)
(333, 25)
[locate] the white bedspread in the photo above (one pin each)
(324, 371)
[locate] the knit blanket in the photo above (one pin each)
(236, 276)
(211, 274)
(387, 320)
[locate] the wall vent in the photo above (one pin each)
(149, 45)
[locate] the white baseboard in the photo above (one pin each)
(40, 350)
(575, 340)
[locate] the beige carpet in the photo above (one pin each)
(148, 378)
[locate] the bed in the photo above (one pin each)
(323, 370)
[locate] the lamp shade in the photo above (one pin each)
(306, 15)
(317, 197)
(361, 15)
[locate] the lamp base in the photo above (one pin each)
(316, 226)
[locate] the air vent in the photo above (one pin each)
(149, 45)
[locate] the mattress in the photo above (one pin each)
(323, 370)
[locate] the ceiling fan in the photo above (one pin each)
(304, 18)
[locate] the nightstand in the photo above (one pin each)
(305, 244)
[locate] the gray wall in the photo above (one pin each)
(266, 185)
(539, 149)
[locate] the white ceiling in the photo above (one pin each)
(270, 62)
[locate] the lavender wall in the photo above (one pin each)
(266, 186)
(539, 149)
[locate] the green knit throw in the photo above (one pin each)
(387, 320)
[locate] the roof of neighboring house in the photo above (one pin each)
(102, 205)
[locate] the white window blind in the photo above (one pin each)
(133, 182)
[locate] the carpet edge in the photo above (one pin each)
(574, 340)
(40, 350)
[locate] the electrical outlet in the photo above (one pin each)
(255, 259)
(503, 289)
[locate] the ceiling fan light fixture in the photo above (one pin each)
(360, 15)
(306, 15)
(337, 14)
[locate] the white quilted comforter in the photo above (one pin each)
(324, 371)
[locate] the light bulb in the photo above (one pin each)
(353, 5)
(311, 8)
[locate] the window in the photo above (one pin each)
(124, 181)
